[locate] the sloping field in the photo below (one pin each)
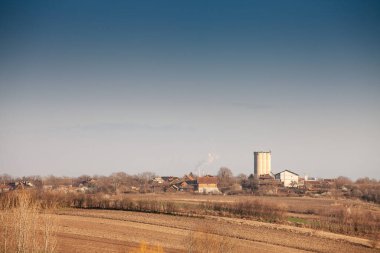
(120, 231)
(297, 205)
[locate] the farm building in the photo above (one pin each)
(262, 163)
(4, 188)
(158, 180)
(287, 178)
(20, 185)
(208, 184)
(173, 184)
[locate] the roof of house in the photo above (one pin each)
(207, 180)
(266, 176)
(287, 171)
(169, 178)
(188, 177)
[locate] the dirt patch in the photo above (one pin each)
(120, 231)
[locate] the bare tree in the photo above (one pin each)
(145, 178)
(119, 179)
(242, 178)
(225, 177)
(342, 181)
(5, 178)
(21, 218)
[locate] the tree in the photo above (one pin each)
(242, 178)
(342, 181)
(120, 181)
(145, 178)
(82, 179)
(5, 178)
(253, 182)
(366, 180)
(225, 177)
(117, 179)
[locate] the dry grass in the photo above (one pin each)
(118, 231)
(348, 220)
(339, 216)
(24, 228)
(257, 209)
(208, 239)
(144, 247)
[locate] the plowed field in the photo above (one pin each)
(121, 231)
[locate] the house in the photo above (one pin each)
(20, 185)
(158, 180)
(4, 188)
(185, 184)
(268, 184)
(189, 177)
(319, 186)
(208, 184)
(48, 187)
(287, 178)
(169, 179)
(189, 185)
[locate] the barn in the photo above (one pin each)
(208, 184)
(288, 178)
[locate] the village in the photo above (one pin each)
(261, 182)
(201, 211)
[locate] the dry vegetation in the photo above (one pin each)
(25, 226)
(342, 218)
(208, 239)
(144, 247)
(86, 230)
(346, 220)
(28, 224)
(194, 222)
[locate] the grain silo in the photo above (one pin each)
(262, 163)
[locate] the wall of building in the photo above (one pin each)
(287, 178)
(262, 163)
(208, 188)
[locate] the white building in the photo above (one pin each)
(158, 180)
(288, 178)
(262, 163)
(208, 184)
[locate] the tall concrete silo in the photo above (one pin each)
(262, 163)
(268, 163)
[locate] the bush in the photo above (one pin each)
(21, 218)
(208, 239)
(348, 221)
(249, 209)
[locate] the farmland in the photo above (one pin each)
(121, 231)
(184, 222)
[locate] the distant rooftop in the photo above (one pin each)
(287, 171)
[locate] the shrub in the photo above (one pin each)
(24, 227)
(250, 209)
(146, 248)
(208, 239)
(348, 220)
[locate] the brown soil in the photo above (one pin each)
(121, 231)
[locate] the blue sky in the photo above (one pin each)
(93, 87)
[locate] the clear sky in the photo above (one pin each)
(95, 87)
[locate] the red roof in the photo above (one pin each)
(207, 180)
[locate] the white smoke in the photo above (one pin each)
(206, 162)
